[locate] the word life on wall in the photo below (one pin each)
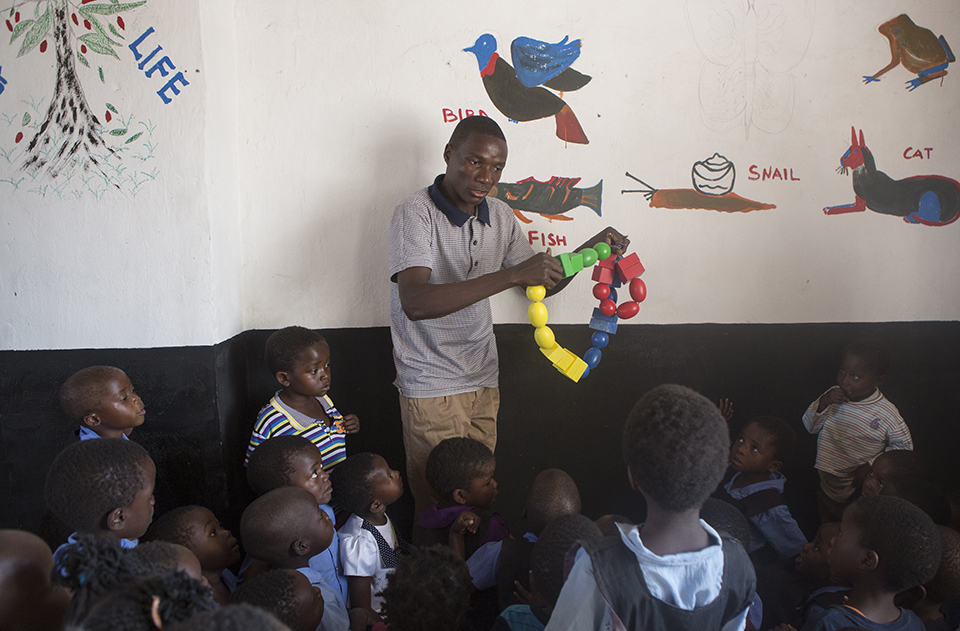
(164, 66)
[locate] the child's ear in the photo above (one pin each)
(91, 420)
(299, 548)
(869, 560)
(774, 466)
(116, 520)
(459, 496)
(284, 378)
(376, 506)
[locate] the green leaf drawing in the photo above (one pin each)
(36, 33)
(118, 132)
(112, 109)
(83, 60)
(133, 137)
(95, 23)
(26, 119)
(12, 10)
(98, 44)
(100, 68)
(106, 9)
(115, 31)
(20, 28)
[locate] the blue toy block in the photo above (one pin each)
(600, 325)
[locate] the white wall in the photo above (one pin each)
(280, 164)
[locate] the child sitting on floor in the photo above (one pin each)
(28, 600)
(892, 467)
(285, 528)
(943, 587)
(198, 529)
(364, 485)
(673, 572)
(295, 461)
(855, 423)
(102, 487)
(102, 401)
(753, 483)
(300, 360)
(885, 545)
(460, 472)
(288, 595)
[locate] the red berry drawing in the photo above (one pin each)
(83, 48)
(17, 17)
(19, 136)
(86, 23)
(9, 26)
(75, 20)
(120, 23)
(108, 116)
(43, 46)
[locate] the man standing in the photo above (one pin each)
(450, 249)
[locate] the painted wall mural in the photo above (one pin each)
(930, 200)
(751, 46)
(59, 142)
(713, 181)
(516, 90)
(915, 48)
(550, 199)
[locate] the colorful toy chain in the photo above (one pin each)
(609, 274)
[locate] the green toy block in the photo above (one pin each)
(572, 263)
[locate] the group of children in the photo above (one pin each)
(718, 548)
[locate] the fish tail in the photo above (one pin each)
(592, 197)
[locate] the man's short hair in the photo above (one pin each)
(675, 444)
(475, 125)
(285, 345)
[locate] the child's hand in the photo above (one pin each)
(466, 521)
(532, 597)
(833, 396)
(351, 424)
(726, 408)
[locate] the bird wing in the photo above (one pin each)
(537, 62)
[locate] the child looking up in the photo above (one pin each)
(460, 472)
(102, 401)
(102, 487)
(855, 423)
(295, 461)
(288, 595)
(753, 483)
(885, 545)
(364, 485)
(300, 360)
(198, 529)
(673, 572)
(285, 527)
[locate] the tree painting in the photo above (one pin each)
(69, 137)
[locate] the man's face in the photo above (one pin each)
(473, 169)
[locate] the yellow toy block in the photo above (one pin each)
(576, 370)
(565, 362)
(554, 353)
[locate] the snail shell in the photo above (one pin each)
(714, 176)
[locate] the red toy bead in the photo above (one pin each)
(608, 307)
(627, 310)
(601, 291)
(638, 290)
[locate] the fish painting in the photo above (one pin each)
(549, 199)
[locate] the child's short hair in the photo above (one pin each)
(284, 345)
(430, 589)
(904, 463)
(903, 536)
(552, 494)
(82, 392)
(675, 444)
(725, 517)
(90, 478)
(239, 617)
(945, 584)
(174, 526)
(454, 463)
(350, 481)
(157, 557)
(175, 597)
(550, 550)
(875, 353)
(271, 464)
(784, 438)
(274, 591)
(275, 520)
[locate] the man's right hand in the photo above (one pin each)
(539, 269)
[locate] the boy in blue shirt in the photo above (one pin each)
(753, 483)
(102, 401)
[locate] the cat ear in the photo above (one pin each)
(853, 136)
(862, 145)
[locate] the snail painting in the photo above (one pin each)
(713, 180)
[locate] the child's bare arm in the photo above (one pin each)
(359, 590)
(466, 521)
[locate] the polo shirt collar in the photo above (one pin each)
(456, 216)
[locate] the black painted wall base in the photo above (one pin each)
(202, 401)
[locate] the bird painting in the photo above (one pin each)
(516, 90)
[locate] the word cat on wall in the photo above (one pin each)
(751, 46)
(66, 139)
(515, 90)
